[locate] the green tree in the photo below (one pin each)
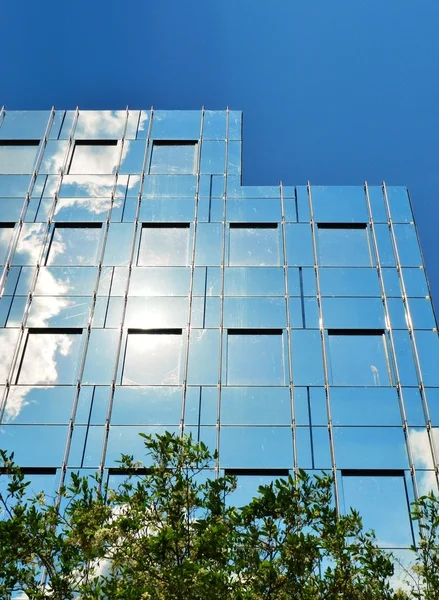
(169, 531)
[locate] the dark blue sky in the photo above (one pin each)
(335, 92)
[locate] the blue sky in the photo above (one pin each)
(335, 92)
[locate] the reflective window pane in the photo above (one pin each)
(255, 358)
(74, 246)
(94, 158)
(353, 313)
(382, 503)
(338, 204)
(254, 282)
(153, 358)
(50, 358)
(59, 311)
(255, 406)
(164, 246)
(148, 405)
(43, 405)
(255, 312)
(159, 281)
(349, 282)
(358, 359)
(173, 158)
(386, 448)
(256, 448)
(17, 158)
(343, 246)
(6, 233)
(254, 246)
(24, 124)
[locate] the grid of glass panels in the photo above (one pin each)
(144, 289)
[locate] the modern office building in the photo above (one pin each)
(144, 288)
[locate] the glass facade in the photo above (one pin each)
(144, 289)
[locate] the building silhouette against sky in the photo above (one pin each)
(144, 289)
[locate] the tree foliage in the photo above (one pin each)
(171, 531)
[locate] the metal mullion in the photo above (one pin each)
(287, 298)
(389, 329)
(221, 321)
(192, 272)
(20, 221)
(410, 328)
(2, 114)
(322, 337)
(86, 340)
(130, 267)
(19, 342)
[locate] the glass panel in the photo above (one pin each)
(173, 159)
(358, 360)
(98, 124)
(93, 186)
(174, 186)
(299, 245)
(235, 125)
(44, 405)
(391, 282)
(307, 358)
(399, 204)
(62, 281)
(365, 406)
(404, 358)
(255, 406)
(6, 234)
(422, 452)
(14, 185)
(101, 355)
(421, 312)
(10, 209)
(17, 158)
(29, 244)
(176, 125)
(343, 247)
(386, 448)
(132, 157)
(164, 210)
(126, 439)
(213, 157)
(337, 204)
(209, 244)
(254, 246)
(24, 124)
(8, 339)
(254, 282)
(50, 358)
(94, 159)
(214, 125)
(408, 247)
(157, 312)
(54, 157)
(151, 406)
(74, 246)
(255, 359)
(119, 244)
(377, 204)
(349, 282)
(164, 246)
(427, 343)
(59, 311)
(203, 367)
(256, 448)
(257, 210)
(201, 405)
(353, 313)
(29, 444)
(247, 488)
(415, 282)
(82, 210)
(156, 281)
(153, 358)
(382, 502)
(255, 312)
(385, 246)
(413, 406)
